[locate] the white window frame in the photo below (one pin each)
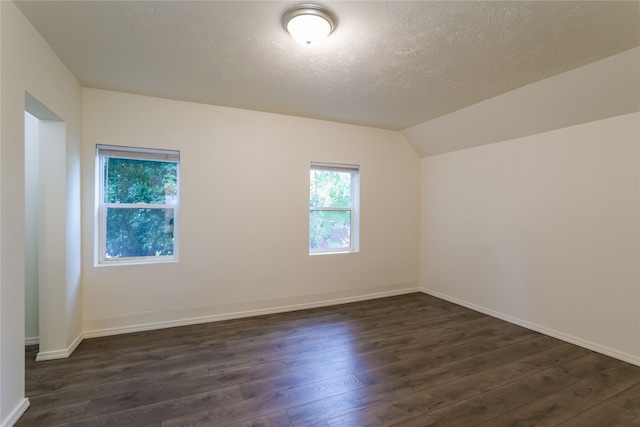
(111, 151)
(354, 208)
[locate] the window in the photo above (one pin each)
(137, 204)
(333, 208)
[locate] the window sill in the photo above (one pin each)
(334, 253)
(134, 261)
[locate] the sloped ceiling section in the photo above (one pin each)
(606, 88)
(389, 64)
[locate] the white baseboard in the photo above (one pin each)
(31, 340)
(312, 303)
(625, 357)
(60, 354)
(17, 412)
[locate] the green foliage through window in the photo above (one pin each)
(135, 233)
(139, 204)
(140, 181)
(331, 209)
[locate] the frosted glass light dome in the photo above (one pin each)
(308, 23)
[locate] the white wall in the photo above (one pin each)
(543, 231)
(244, 214)
(52, 214)
(32, 131)
(29, 65)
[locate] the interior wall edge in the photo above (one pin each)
(17, 412)
(607, 351)
(242, 310)
(60, 354)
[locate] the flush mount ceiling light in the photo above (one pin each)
(308, 23)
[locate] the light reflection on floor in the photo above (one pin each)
(333, 363)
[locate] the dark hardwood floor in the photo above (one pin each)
(411, 360)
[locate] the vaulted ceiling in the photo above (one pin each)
(389, 64)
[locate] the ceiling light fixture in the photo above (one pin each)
(309, 23)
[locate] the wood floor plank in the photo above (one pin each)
(98, 389)
(595, 389)
(384, 389)
(604, 415)
(278, 419)
(296, 364)
(155, 412)
(504, 399)
(386, 415)
(135, 399)
(628, 399)
(539, 413)
(262, 405)
(419, 421)
(399, 407)
(589, 364)
(54, 415)
(410, 360)
(296, 379)
(388, 386)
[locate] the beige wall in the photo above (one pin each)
(244, 214)
(29, 65)
(543, 231)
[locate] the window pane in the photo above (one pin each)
(330, 189)
(140, 181)
(329, 229)
(139, 232)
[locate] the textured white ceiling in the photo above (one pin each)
(389, 64)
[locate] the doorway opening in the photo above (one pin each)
(45, 210)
